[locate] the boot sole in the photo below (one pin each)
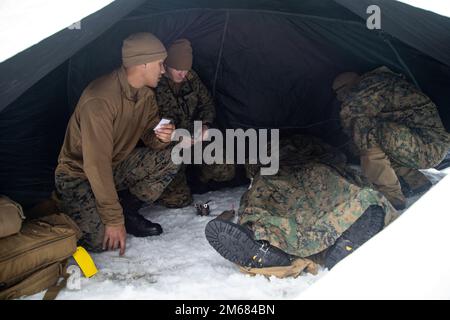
(367, 226)
(237, 244)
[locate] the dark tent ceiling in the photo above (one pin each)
(267, 63)
(419, 29)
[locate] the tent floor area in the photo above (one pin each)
(180, 264)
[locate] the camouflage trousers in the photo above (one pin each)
(304, 209)
(405, 147)
(178, 194)
(146, 173)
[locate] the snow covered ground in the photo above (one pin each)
(180, 264)
(436, 6)
(27, 22)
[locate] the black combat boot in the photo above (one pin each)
(135, 224)
(367, 226)
(237, 244)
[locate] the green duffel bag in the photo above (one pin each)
(11, 216)
(35, 259)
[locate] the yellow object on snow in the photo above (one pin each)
(85, 262)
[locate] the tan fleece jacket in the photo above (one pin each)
(110, 118)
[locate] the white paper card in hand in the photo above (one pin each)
(161, 122)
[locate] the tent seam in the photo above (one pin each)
(400, 59)
(219, 57)
(312, 17)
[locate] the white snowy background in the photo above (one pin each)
(24, 23)
(180, 264)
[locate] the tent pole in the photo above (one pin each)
(219, 57)
(400, 60)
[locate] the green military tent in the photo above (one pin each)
(268, 64)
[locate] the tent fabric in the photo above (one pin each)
(291, 72)
(16, 77)
(31, 134)
(426, 31)
(269, 64)
(301, 52)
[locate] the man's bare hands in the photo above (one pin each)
(164, 132)
(115, 238)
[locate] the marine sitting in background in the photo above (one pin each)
(183, 98)
(395, 128)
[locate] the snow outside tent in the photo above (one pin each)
(268, 64)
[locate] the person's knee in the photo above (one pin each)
(177, 194)
(435, 154)
(410, 150)
(169, 168)
(92, 237)
(176, 200)
(400, 143)
(161, 161)
(167, 160)
(90, 224)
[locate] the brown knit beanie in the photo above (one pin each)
(141, 48)
(179, 55)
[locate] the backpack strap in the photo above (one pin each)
(54, 290)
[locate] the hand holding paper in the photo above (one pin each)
(161, 122)
(164, 130)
